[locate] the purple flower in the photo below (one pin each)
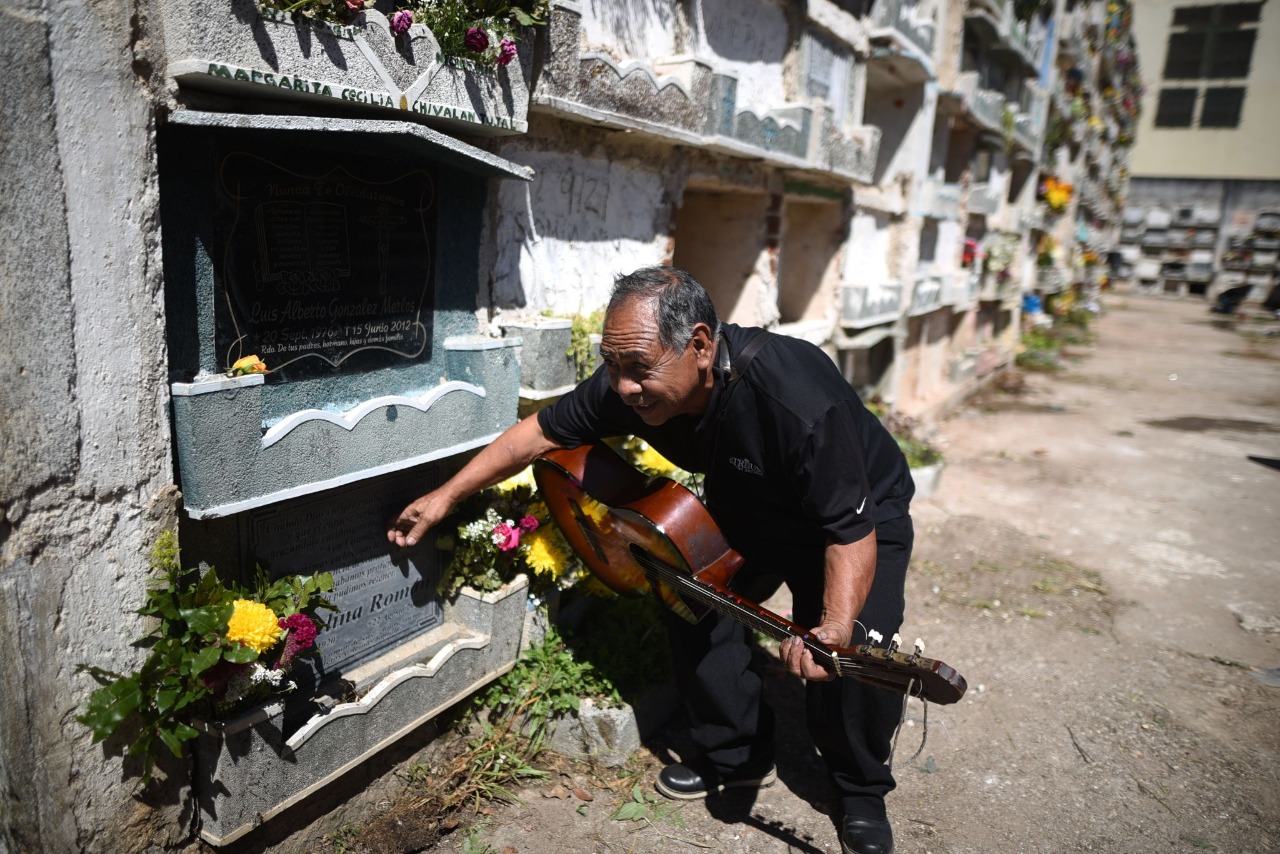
(477, 40)
(301, 637)
(506, 51)
(401, 22)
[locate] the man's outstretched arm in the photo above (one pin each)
(505, 456)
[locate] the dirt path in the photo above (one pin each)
(1101, 563)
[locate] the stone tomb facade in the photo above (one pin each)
(345, 254)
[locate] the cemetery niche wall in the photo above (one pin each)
(244, 50)
(345, 254)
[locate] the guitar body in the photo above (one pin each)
(649, 535)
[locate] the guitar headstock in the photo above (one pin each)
(912, 674)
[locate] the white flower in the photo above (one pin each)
(263, 674)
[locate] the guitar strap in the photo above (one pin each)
(737, 369)
(738, 366)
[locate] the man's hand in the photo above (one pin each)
(508, 454)
(849, 569)
(799, 660)
(418, 518)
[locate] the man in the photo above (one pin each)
(804, 482)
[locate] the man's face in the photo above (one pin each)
(658, 383)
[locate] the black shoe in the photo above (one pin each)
(866, 836)
(684, 784)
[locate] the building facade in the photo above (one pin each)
(873, 182)
(1204, 201)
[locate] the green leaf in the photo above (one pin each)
(204, 659)
(206, 620)
(171, 740)
(165, 698)
(631, 812)
(238, 653)
(110, 705)
(522, 17)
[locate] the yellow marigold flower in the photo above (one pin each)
(254, 625)
(248, 365)
(594, 509)
(653, 462)
(543, 554)
(516, 481)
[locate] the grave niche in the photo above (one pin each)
(344, 253)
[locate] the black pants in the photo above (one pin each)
(851, 723)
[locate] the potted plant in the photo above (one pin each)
(923, 457)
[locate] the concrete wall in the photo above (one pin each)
(589, 215)
(812, 234)
(868, 261)
(642, 29)
(719, 237)
(85, 441)
(749, 39)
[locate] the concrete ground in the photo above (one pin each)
(1101, 563)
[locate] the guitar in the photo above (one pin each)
(642, 535)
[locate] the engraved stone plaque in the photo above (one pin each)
(324, 263)
(387, 595)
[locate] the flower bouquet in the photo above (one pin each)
(508, 533)
(214, 649)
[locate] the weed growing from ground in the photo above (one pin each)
(512, 721)
(649, 809)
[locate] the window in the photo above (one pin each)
(1212, 41)
(1232, 54)
(1193, 16)
(1241, 13)
(1207, 43)
(1176, 108)
(1186, 54)
(1222, 107)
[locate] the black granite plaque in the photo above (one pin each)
(387, 595)
(323, 266)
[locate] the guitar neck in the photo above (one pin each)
(750, 615)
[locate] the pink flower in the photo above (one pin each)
(506, 51)
(301, 637)
(529, 523)
(477, 39)
(401, 22)
(505, 537)
(354, 6)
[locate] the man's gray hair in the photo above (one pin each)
(679, 302)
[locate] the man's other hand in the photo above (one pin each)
(799, 660)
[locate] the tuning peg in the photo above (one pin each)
(875, 636)
(919, 648)
(895, 642)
